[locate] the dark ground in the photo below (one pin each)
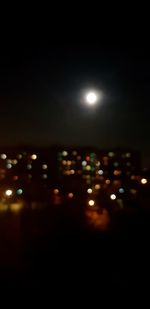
(52, 249)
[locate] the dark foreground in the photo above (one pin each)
(55, 249)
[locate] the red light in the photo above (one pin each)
(87, 158)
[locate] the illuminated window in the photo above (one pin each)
(34, 157)
(100, 172)
(3, 156)
(113, 197)
(44, 176)
(44, 166)
(64, 153)
(111, 154)
(88, 167)
(84, 163)
(89, 190)
(29, 166)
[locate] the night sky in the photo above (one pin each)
(42, 86)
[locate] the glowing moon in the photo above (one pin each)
(91, 98)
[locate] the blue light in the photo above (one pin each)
(121, 190)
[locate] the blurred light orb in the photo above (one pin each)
(34, 157)
(91, 203)
(89, 190)
(113, 197)
(8, 192)
(143, 181)
(91, 98)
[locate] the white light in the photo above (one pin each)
(143, 181)
(34, 157)
(3, 156)
(8, 192)
(9, 165)
(44, 166)
(91, 98)
(64, 153)
(113, 197)
(89, 190)
(84, 163)
(44, 176)
(91, 203)
(100, 172)
(29, 166)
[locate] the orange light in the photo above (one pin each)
(56, 191)
(70, 195)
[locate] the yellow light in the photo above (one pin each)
(14, 161)
(89, 190)
(117, 172)
(143, 181)
(64, 162)
(34, 157)
(56, 191)
(64, 153)
(15, 207)
(70, 195)
(69, 162)
(8, 192)
(98, 163)
(88, 167)
(97, 186)
(113, 197)
(107, 181)
(91, 203)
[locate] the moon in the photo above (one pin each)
(91, 98)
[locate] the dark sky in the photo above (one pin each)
(41, 86)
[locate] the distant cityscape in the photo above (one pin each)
(86, 176)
